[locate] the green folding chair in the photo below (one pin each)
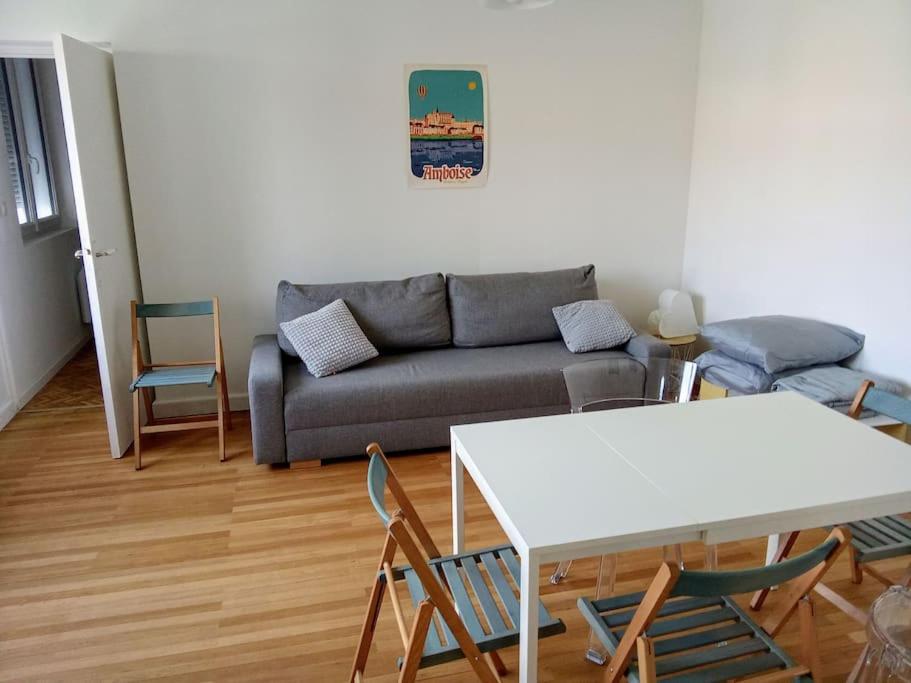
(464, 605)
(686, 628)
(879, 538)
(149, 376)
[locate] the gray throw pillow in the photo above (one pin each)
(781, 342)
(329, 340)
(592, 326)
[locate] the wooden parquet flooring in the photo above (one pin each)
(77, 385)
(197, 570)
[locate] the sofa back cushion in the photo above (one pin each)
(394, 314)
(513, 308)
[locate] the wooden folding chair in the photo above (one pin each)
(874, 539)
(148, 376)
(685, 627)
(464, 605)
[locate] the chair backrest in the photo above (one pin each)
(700, 584)
(176, 310)
(181, 310)
(870, 398)
(381, 477)
(625, 382)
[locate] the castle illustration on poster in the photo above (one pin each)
(447, 126)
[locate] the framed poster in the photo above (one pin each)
(447, 126)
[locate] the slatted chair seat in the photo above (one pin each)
(687, 650)
(477, 580)
(880, 538)
(169, 377)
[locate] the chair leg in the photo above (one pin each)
(561, 571)
(147, 402)
(367, 629)
(857, 574)
(227, 402)
(784, 549)
(607, 578)
(498, 664)
(673, 553)
(809, 638)
(415, 648)
(645, 652)
(221, 419)
(137, 429)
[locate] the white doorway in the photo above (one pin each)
(101, 206)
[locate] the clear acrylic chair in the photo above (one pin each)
(615, 383)
(887, 656)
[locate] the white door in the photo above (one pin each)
(91, 119)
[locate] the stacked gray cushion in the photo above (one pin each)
(592, 326)
(779, 342)
(730, 373)
(513, 308)
(394, 314)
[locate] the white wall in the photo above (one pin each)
(800, 200)
(39, 309)
(267, 140)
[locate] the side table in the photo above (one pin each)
(681, 347)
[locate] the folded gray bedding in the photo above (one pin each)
(831, 385)
(730, 373)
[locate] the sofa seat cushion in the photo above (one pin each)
(449, 381)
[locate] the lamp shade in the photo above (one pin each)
(675, 316)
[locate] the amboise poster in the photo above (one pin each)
(447, 126)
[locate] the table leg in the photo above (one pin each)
(528, 619)
(771, 547)
(458, 502)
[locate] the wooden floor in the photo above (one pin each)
(198, 570)
(77, 385)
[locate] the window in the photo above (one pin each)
(28, 161)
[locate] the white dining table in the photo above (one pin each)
(580, 485)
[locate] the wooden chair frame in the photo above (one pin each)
(858, 569)
(663, 586)
(221, 419)
(418, 548)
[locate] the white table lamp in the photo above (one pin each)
(675, 316)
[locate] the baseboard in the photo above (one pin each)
(38, 385)
(7, 413)
(196, 405)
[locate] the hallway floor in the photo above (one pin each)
(77, 385)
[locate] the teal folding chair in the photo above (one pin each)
(685, 627)
(148, 376)
(464, 605)
(879, 538)
(874, 539)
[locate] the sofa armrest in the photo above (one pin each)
(646, 346)
(267, 401)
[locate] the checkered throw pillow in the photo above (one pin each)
(592, 326)
(329, 340)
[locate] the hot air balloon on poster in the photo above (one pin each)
(422, 91)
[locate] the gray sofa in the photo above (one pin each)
(452, 350)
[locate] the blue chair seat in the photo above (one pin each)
(482, 575)
(880, 538)
(701, 638)
(168, 377)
